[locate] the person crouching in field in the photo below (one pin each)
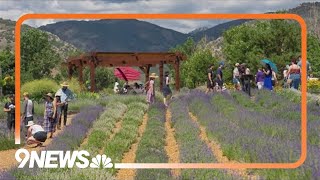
(151, 89)
(36, 134)
(166, 89)
(49, 113)
(9, 108)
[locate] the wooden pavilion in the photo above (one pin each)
(143, 60)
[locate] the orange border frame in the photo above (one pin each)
(299, 19)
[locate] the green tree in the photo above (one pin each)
(194, 70)
(277, 40)
(37, 55)
(7, 71)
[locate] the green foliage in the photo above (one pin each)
(278, 40)
(38, 88)
(7, 68)
(194, 69)
(37, 55)
(104, 77)
(74, 86)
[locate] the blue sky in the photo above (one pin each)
(10, 9)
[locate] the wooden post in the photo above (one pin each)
(161, 75)
(147, 73)
(177, 74)
(80, 74)
(92, 77)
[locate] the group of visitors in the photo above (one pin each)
(150, 89)
(215, 78)
(56, 106)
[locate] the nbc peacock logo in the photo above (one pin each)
(101, 161)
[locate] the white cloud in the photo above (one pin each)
(14, 9)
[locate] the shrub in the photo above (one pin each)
(313, 86)
(38, 88)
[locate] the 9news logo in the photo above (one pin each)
(61, 159)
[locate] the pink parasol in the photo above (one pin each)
(127, 73)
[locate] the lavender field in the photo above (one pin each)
(216, 128)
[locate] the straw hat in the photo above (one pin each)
(237, 64)
(49, 95)
(30, 123)
(153, 75)
(64, 84)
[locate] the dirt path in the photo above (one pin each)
(8, 157)
(172, 147)
(130, 156)
(217, 152)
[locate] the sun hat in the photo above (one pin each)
(49, 95)
(153, 75)
(30, 123)
(237, 64)
(26, 94)
(64, 84)
(221, 63)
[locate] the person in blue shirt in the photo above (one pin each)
(220, 77)
(66, 97)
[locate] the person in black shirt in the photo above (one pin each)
(210, 82)
(9, 107)
(220, 77)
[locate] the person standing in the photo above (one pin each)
(66, 97)
(116, 87)
(28, 109)
(9, 108)
(274, 79)
(220, 77)
(151, 89)
(236, 77)
(49, 120)
(260, 78)
(57, 105)
(166, 89)
(294, 73)
(268, 76)
(242, 72)
(210, 82)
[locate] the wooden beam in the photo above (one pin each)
(92, 77)
(80, 69)
(177, 74)
(161, 75)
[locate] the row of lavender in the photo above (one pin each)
(151, 147)
(69, 139)
(254, 131)
(192, 148)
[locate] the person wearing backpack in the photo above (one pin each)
(150, 88)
